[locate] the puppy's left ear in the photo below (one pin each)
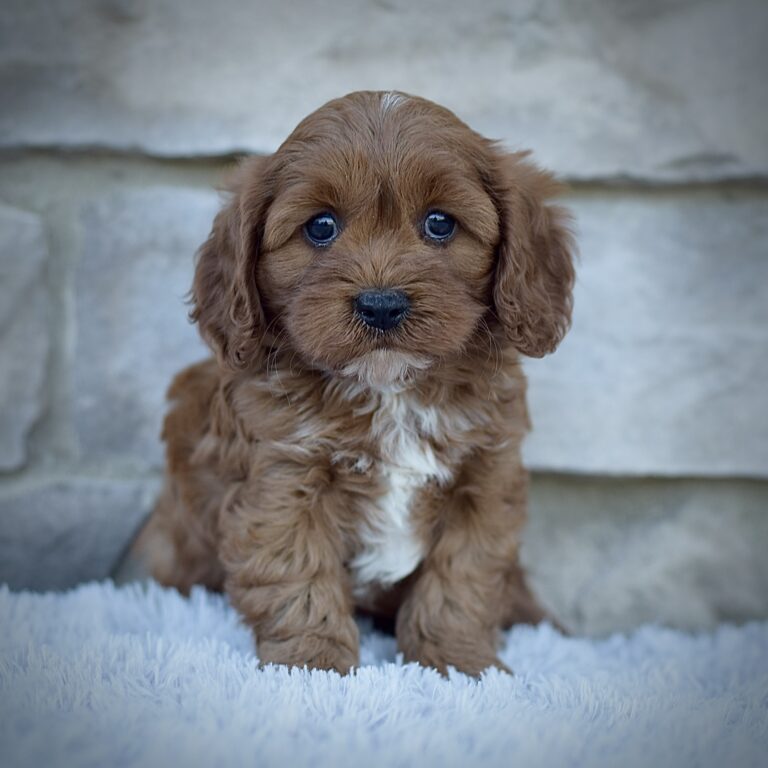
(533, 289)
(225, 297)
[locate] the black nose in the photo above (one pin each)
(382, 309)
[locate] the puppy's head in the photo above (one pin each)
(379, 240)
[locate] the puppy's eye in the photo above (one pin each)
(322, 229)
(439, 226)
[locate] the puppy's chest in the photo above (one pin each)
(404, 459)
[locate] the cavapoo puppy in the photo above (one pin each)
(367, 291)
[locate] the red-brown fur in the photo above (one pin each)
(283, 450)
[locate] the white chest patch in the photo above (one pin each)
(400, 425)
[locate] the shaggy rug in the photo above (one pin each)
(134, 676)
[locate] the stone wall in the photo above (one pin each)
(650, 448)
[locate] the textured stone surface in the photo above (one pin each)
(665, 369)
(64, 532)
(24, 337)
(609, 555)
(662, 374)
(654, 89)
(132, 329)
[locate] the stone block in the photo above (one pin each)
(664, 371)
(653, 90)
(662, 374)
(24, 331)
(608, 555)
(132, 332)
(58, 534)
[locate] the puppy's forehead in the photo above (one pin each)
(370, 137)
(380, 116)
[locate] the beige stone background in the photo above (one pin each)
(650, 449)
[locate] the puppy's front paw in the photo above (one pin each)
(310, 651)
(471, 662)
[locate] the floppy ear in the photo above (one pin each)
(534, 278)
(225, 298)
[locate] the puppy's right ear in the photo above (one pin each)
(225, 297)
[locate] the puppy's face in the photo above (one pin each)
(378, 247)
(379, 239)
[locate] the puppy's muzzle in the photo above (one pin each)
(382, 309)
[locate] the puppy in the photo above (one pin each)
(367, 291)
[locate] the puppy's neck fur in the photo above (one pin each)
(419, 426)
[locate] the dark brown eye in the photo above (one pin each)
(322, 229)
(439, 226)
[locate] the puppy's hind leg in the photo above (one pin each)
(520, 604)
(179, 542)
(176, 548)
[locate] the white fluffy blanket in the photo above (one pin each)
(102, 676)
